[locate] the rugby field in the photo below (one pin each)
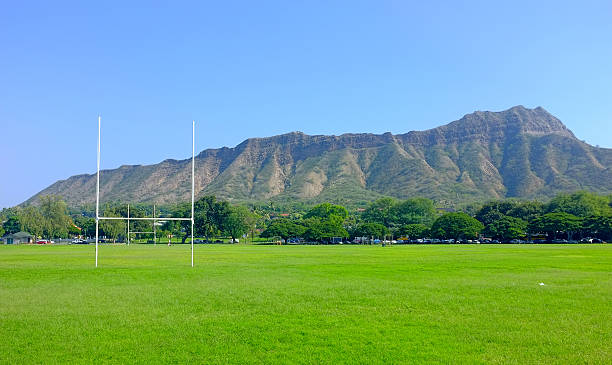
(306, 304)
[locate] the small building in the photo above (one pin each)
(19, 237)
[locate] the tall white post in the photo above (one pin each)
(128, 226)
(98, 189)
(192, 183)
(154, 234)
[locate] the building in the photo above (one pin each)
(19, 237)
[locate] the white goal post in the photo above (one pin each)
(154, 219)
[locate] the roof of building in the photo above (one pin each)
(21, 234)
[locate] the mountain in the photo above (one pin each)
(519, 152)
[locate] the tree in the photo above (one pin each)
(283, 228)
(580, 204)
(414, 230)
(87, 225)
(506, 228)
(219, 213)
(495, 210)
(413, 211)
(209, 218)
(456, 225)
(135, 211)
(31, 221)
(380, 211)
(181, 210)
(206, 220)
(322, 229)
(1, 230)
(327, 211)
(554, 223)
(235, 223)
(526, 211)
(112, 228)
(12, 225)
(599, 226)
(56, 220)
(325, 221)
(251, 222)
(370, 230)
(490, 217)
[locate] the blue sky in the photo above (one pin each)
(253, 69)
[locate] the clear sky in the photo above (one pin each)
(258, 68)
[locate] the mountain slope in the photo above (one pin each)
(520, 152)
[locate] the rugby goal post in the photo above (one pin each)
(154, 219)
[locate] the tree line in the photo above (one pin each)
(567, 216)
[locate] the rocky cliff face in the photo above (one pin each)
(519, 152)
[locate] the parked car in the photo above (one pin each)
(559, 241)
(591, 240)
(42, 242)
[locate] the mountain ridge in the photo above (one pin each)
(518, 152)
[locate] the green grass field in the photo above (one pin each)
(306, 304)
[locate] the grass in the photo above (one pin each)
(306, 304)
